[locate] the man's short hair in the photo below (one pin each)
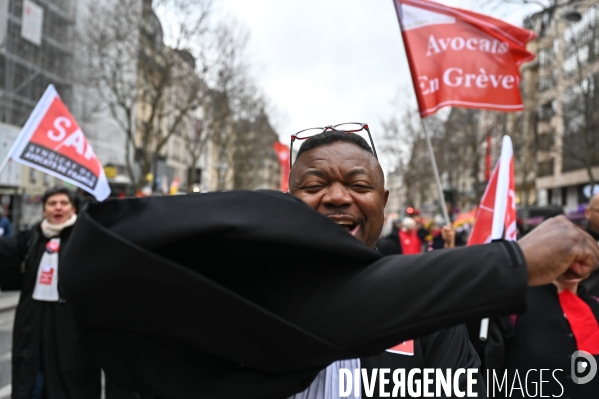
(331, 136)
(58, 190)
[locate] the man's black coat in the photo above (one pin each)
(250, 294)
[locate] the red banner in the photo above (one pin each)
(52, 142)
(461, 58)
(283, 154)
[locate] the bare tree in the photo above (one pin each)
(223, 57)
(256, 164)
(236, 121)
(400, 133)
(404, 141)
(580, 142)
(464, 148)
(146, 77)
(196, 142)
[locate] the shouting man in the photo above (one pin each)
(338, 175)
(252, 294)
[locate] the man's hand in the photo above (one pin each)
(448, 234)
(556, 248)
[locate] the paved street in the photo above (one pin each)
(7, 317)
(6, 322)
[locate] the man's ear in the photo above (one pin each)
(385, 198)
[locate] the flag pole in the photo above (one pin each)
(436, 173)
(4, 163)
(500, 204)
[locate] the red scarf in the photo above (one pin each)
(410, 242)
(582, 321)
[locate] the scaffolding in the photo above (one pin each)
(27, 69)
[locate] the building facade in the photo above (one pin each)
(566, 103)
(36, 49)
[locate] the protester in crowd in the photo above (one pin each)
(446, 349)
(439, 235)
(403, 239)
(562, 318)
(409, 240)
(544, 338)
(47, 362)
(592, 216)
(389, 244)
(251, 294)
(423, 228)
(408, 237)
(5, 227)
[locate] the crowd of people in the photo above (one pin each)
(410, 236)
(385, 311)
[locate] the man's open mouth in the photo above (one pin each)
(348, 225)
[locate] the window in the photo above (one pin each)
(545, 141)
(581, 122)
(580, 105)
(546, 111)
(546, 82)
(546, 56)
(545, 168)
(579, 38)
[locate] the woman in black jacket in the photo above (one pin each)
(47, 362)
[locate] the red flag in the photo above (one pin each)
(52, 142)
(497, 211)
(283, 154)
(461, 58)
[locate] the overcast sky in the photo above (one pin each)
(330, 61)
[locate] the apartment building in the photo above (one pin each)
(566, 102)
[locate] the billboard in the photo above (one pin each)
(32, 22)
(11, 176)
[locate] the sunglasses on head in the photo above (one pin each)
(350, 127)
